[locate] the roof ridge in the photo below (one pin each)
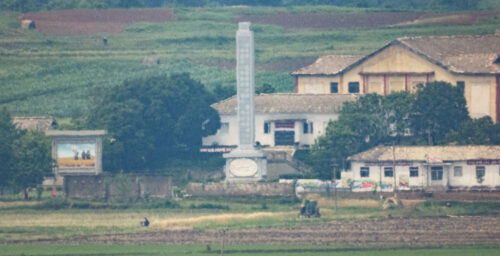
(446, 36)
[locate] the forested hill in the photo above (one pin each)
(436, 5)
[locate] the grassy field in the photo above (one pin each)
(57, 219)
(63, 76)
(278, 250)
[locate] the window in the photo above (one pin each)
(364, 172)
(461, 85)
(388, 172)
(308, 127)
(413, 171)
(224, 128)
(334, 87)
(457, 171)
(267, 127)
(480, 172)
(437, 173)
(353, 87)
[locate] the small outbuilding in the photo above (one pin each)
(28, 24)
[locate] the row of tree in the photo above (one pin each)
(36, 5)
(25, 155)
(435, 115)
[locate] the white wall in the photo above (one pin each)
(231, 137)
(467, 180)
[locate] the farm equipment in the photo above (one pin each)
(309, 209)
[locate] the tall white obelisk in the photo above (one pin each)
(245, 163)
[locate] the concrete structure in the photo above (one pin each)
(281, 119)
(122, 188)
(245, 163)
(425, 167)
(241, 189)
(471, 62)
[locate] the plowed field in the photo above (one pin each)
(425, 232)
(69, 22)
(363, 20)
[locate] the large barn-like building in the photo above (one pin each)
(470, 62)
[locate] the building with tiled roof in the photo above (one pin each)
(34, 123)
(471, 62)
(425, 167)
(280, 118)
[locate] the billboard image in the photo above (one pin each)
(76, 155)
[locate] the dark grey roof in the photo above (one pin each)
(290, 103)
(328, 65)
(464, 54)
(428, 153)
(459, 54)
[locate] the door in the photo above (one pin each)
(284, 138)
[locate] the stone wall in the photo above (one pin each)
(120, 188)
(240, 189)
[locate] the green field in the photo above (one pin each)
(248, 250)
(64, 76)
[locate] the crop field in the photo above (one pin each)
(248, 226)
(62, 69)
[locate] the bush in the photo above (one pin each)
(53, 204)
(209, 206)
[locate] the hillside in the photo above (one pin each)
(63, 68)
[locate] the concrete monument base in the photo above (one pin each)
(245, 165)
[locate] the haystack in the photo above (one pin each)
(151, 61)
(28, 24)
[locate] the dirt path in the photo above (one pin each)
(389, 232)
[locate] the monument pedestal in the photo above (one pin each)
(245, 165)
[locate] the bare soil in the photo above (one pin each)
(363, 20)
(426, 232)
(69, 22)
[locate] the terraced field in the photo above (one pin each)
(62, 69)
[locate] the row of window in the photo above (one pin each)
(308, 127)
(353, 87)
(436, 172)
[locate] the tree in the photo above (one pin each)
(362, 124)
(481, 131)
(32, 152)
(436, 110)
(223, 92)
(265, 88)
(151, 120)
(26, 156)
(8, 135)
(439, 108)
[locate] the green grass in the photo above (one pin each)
(248, 250)
(64, 76)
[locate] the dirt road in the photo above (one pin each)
(392, 232)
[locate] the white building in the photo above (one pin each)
(281, 119)
(425, 167)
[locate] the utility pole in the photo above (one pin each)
(395, 189)
(334, 165)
